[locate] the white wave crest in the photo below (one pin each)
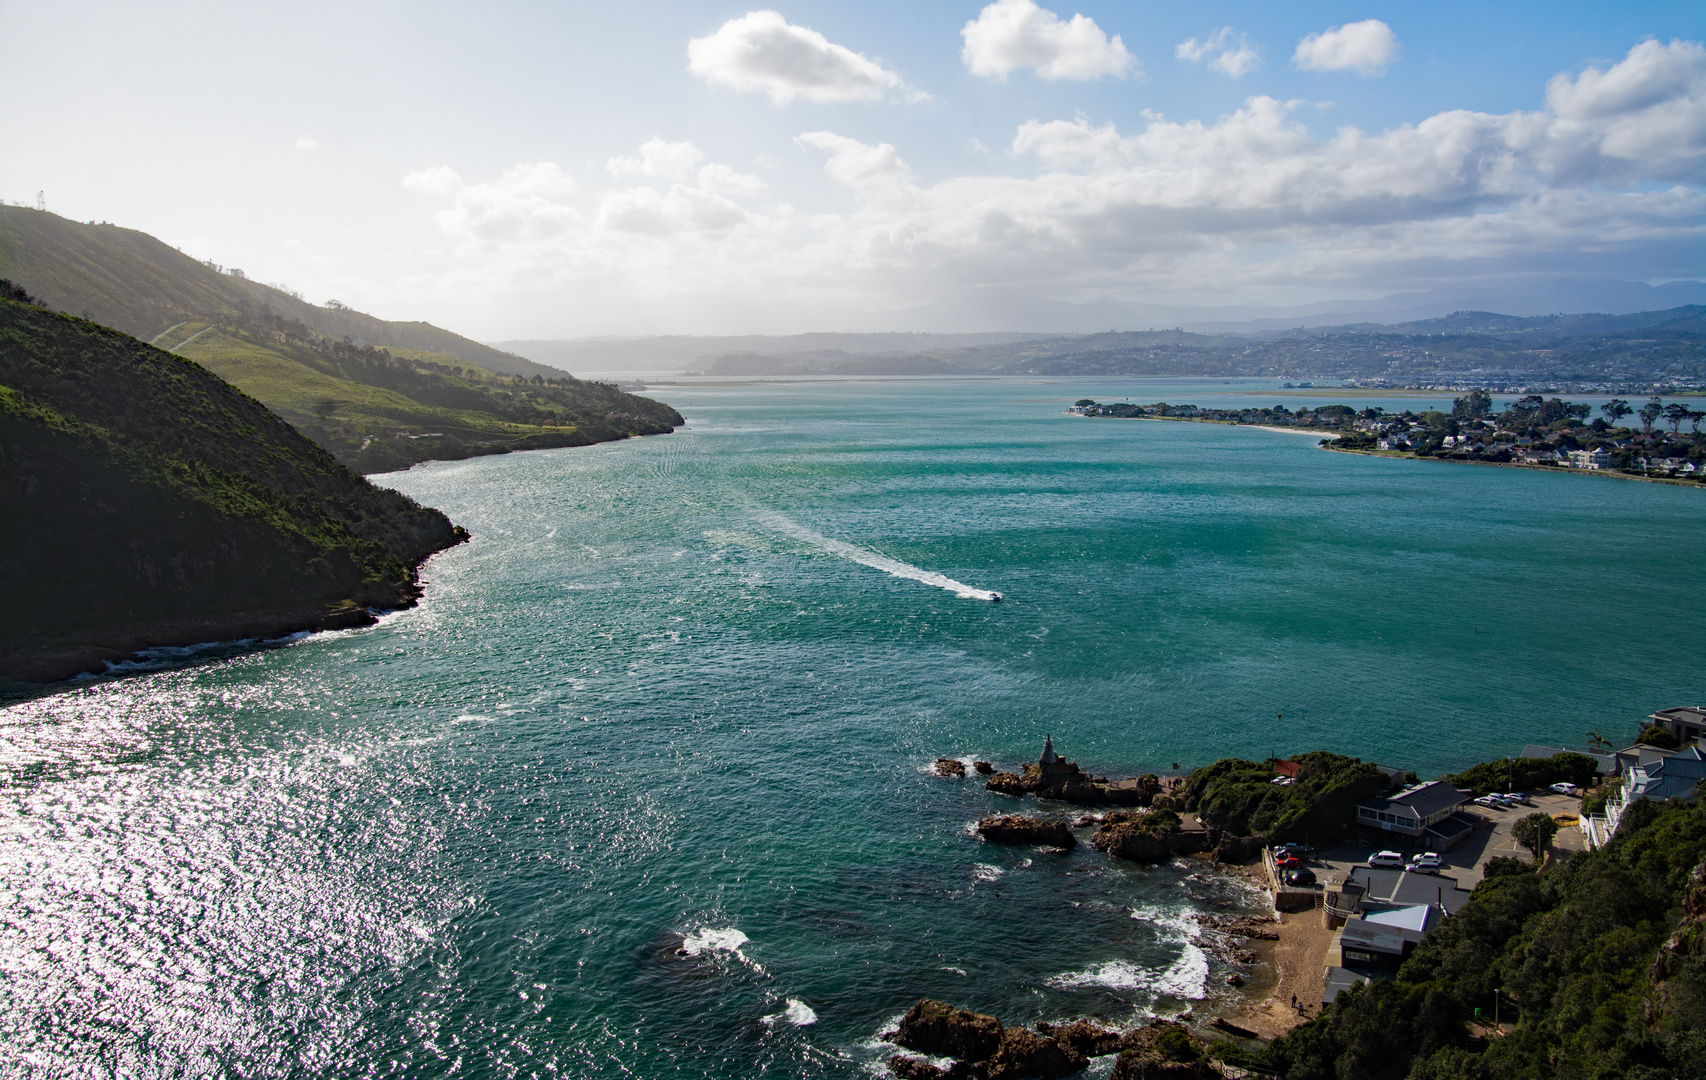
(875, 561)
(1186, 977)
(1114, 974)
(986, 872)
(725, 939)
(798, 1013)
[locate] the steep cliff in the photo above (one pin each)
(148, 502)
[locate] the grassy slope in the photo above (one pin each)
(132, 282)
(142, 489)
(366, 405)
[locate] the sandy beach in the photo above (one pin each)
(1297, 962)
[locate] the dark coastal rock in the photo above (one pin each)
(1005, 783)
(1129, 840)
(1017, 829)
(1083, 1038)
(911, 1068)
(1025, 1054)
(947, 766)
(1164, 1050)
(935, 1027)
(1238, 849)
(983, 768)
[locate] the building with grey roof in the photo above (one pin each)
(1687, 722)
(1426, 812)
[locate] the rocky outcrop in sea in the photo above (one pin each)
(985, 1049)
(1018, 829)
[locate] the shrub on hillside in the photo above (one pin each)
(1521, 774)
(1241, 797)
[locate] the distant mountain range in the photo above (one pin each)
(378, 395)
(1641, 350)
(1405, 314)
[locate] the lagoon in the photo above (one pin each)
(643, 785)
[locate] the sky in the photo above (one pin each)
(517, 169)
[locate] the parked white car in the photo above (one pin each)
(1517, 798)
(1427, 862)
(1490, 800)
(1386, 860)
(1562, 788)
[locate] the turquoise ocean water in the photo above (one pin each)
(642, 788)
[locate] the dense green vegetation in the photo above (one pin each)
(378, 395)
(1599, 964)
(1241, 796)
(142, 489)
(1524, 774)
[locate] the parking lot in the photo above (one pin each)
(1465, 861)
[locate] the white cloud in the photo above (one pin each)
(724, 180)
(1231, 206)
(673, 161)
(1012, 34)
(1644, 116)
(875, 173)
(1229, 55)
(438, 180)
(761, 52)
(1365, 47)
(521, 205)
(306, 142)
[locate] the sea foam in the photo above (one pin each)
(798, 1013)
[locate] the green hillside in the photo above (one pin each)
(150, 503)
(130, 281)
(378, 395)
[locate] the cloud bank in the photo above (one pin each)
(1012, 34)
(1608, 169)
(761, 52)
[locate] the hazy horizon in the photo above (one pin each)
(522, 172)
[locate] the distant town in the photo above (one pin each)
(1536, 431)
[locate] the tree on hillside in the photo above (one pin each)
(1694, 418)
(1534, 832)
(1650, 413)
(1615, 410)
(1597, 737)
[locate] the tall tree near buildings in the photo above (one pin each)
(1615, 410)
(1534, 832)
(1650, 413)
(1676, 412)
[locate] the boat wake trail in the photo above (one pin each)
(875, 561)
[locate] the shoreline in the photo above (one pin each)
(1292, 964)
(45, 662)
(1405, 455)
(1401, 455)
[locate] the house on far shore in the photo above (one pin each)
(1428, 813)
(1687, 722)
